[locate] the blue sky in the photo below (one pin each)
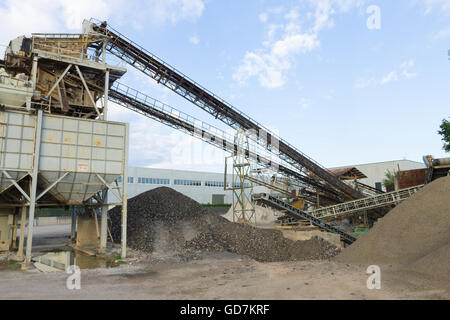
(312, 71)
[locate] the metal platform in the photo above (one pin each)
(351, 207)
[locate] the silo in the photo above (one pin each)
(56, 149)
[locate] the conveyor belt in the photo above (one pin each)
(293, 211)
(268, 185)
(163, 73)
(382, 200)
(152, 108)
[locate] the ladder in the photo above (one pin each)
(381, 200)
(297, 213)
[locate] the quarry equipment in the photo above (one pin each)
(438, 168)
(281, 205)
(56, 149)
(242, 191)
(163, 73)
(168, 115)
(350, 207)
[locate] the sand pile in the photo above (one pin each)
(415, 235)
(164, 220)
(263, 215)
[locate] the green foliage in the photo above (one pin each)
(445, 133)
(216, 205)
(389, 180)
(13, 265)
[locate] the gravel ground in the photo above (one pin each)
(217, 276)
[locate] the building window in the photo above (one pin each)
(144, 180)
(238, 185)
(130, 180)
(214, 184)
(378, 186)
(187, 182)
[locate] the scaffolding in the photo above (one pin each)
(242, 191)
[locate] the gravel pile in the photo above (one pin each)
(165, 221)
(415, 235)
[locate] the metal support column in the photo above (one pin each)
(243, 207)
(34, 177)
(23, 223)
(124, 193)
(73, 233)
(33, 80)
(104, 221)
(105, 101)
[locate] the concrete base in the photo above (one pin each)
(303, 235)
(87, 233)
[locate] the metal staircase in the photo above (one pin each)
(350, 207)
(297, 213)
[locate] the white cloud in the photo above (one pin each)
(162, 11)
(441, 34)
(305, 103)
(404, 69)
(430, 6)
(58, 16)
(194, 39)
(392, 76)
(270, 67)
(27, 16)
(287, 39)
(401, 72)
(263, 17)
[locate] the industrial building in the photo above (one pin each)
(376, 172)
(203, 187)
(208, 187)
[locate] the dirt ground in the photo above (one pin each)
(223, 276)
(217, 276)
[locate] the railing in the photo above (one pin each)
(297, 213)
(159, 111)
(359, 205)
(126, 46)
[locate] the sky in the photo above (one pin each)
(345, 81)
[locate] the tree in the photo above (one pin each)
(445, 133)
(389, 181)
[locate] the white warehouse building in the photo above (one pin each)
(208, 187)
(203, 187)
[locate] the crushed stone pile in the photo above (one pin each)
(415, 235)
(163, 220)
